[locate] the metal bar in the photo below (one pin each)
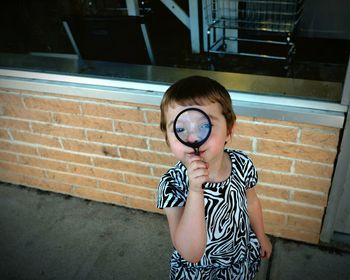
(190, 21)
(71, 39)
(133, 7)
(194, 25)
(263, 41)
(205, 28)
(148, 44)
(134, 10)
(177, 11)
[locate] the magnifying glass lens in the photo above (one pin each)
(192, 127)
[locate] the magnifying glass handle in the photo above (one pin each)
(196, 151)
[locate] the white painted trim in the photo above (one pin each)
(150, 93)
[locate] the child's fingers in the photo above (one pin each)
(197, 163)
(198, 173)
(264, 254)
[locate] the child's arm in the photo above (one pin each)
(256, 220)
(187, 228)
(187, 224)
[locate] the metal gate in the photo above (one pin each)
(234, 24)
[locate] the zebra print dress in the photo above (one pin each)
(232, 251)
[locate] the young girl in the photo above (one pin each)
(214, 215)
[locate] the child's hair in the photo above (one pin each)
(197, 90)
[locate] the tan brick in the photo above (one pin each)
(159, 146)
(142, 181)
(126, 189)
(295, 124)
(274, 218)
(272, 192)
(95, 172)
(295, 151)
(271, 163)
(113, 112)
(244, 118)
(8, 156)
(319, 127)
(153, 117)
(109, 197)
(120, 165)
(313, 169)
(292, 233)
(21, 169)
(52, 105)
(42, 163)
(278, 122)
(296, 181)
(36, 139)
(117, 139)
(159, 171)
(17, 148)
(310, 198)
(311, 225)
(71, 179)
(11, 177)
(143, 204)
(83, 121)
(18, 112)
(59, 131)
(292, 208)
(4, 134)
(139, 129)
(49, 185)
(14, 124)
(266, 131)
(145, 156)
(64, 156)
(89, 148)
(99, 195)
(240, 143)
(7, 98)
(324, 139)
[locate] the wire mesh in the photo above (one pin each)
(264, 15)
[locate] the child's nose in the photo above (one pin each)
(192, 138)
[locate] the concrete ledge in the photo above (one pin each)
(150, 92)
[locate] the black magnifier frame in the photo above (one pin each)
(195, 145)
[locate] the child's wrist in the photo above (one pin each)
(196, 190)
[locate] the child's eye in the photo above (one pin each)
(180, 130)
(205, 126)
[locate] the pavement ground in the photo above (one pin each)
(44, 235)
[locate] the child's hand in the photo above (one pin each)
(198, 173)
(266, 248)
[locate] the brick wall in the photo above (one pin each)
(114, 152)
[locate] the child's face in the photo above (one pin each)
(209, 150)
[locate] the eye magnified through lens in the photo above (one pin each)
(192, 127)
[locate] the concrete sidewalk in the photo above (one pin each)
(50, 236)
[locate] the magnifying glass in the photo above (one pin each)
(192, 127)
